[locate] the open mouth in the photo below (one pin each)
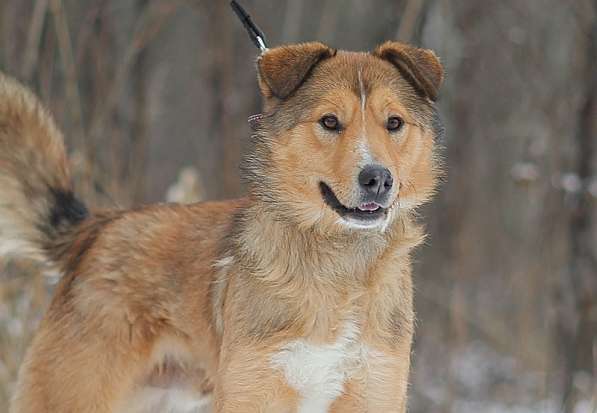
(367, 212)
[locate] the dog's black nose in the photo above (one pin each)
(375, 180)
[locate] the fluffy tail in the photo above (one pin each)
(37, 205)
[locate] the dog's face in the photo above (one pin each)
(347, 138)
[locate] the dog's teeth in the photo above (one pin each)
(369, 207)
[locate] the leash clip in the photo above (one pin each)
(256, 35)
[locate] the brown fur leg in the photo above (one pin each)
(381, 389)
(247, 385)
(78, 364)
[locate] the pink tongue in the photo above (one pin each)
(371, 206)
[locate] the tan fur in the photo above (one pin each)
(207, 296)
(25, 180)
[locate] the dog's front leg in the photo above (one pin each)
(381, 385)
(247, 383)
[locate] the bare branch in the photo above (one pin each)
(32, 49)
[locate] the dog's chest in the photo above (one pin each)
(318, 372)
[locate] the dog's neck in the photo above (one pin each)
(280, 250)
(299, 274)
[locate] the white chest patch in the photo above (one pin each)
(318, 372)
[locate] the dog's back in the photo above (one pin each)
(125, 273)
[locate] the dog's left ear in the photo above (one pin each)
(420, 67)
(283, 69)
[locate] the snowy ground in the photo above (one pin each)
(478, 379)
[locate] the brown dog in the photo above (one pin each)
(296, 298)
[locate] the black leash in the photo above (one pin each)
(258, 38)
(256, 35)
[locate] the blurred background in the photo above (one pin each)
(153, 97)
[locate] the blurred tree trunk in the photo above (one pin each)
(221, 128)
(577, 324)
(137, 163)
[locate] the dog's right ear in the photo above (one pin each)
(283, 69)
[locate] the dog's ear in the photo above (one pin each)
(420, 67)
(283, 69)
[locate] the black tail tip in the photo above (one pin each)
(67, 209)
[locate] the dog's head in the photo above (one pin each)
(346, 139)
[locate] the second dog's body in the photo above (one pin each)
(297, 298)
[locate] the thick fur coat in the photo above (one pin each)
(296, 298)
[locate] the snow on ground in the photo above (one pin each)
(477, 379)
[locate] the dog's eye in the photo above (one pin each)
(394, 123)
(330, 122)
